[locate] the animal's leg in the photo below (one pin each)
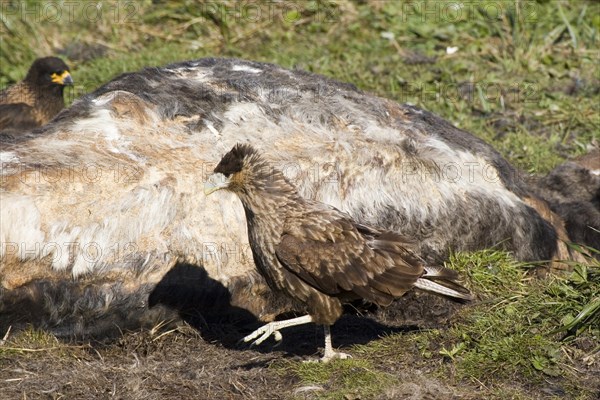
(272, 328)
(330, 353)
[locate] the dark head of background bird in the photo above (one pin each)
(49, 72)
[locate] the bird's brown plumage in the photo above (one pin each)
(332, 255)
(36, 99)
(317, 254)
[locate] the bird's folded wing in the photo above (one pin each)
(327, 252)
(17, 116)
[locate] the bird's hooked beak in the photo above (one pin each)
(62, 79)
(215, 182)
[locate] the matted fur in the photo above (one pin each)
(572, 191)
(100, 204)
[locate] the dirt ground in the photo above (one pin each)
(208, 362)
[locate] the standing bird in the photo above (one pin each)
(317, 254)
(36, 99)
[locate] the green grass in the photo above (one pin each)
(31, 342)
(512, 334)
(524, 332)
(525, 78)
(353, 378)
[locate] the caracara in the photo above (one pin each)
(36, 99)
(317, 254)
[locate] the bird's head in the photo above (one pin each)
(240, 167)
(49, 71)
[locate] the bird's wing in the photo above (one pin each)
(17, 116)
(325, 249)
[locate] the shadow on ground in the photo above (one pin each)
(209, 310)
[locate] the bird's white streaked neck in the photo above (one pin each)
(266, 190)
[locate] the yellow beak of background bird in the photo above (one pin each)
(62, 79)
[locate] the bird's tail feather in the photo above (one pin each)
(443, 281)
(438, 272)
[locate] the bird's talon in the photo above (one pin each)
(263, 334)
(335, 356)
(311, 361)
(329, 357)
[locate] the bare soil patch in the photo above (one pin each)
(207, 361)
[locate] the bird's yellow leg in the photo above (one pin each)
(272, 328)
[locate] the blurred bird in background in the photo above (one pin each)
(36, 99)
